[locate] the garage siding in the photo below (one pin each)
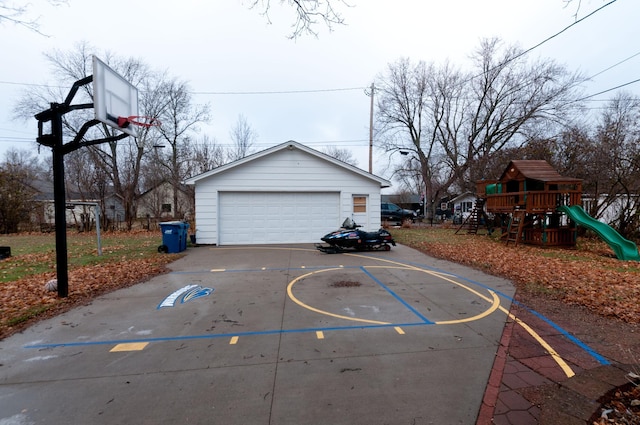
(292, 175)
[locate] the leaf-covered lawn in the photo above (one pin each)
(589, 275)
(127, 258)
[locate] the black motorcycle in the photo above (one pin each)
(350, 237)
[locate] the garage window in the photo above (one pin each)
(359, 204)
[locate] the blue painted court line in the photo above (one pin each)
(396, 296)
(216, 336)
(567, 335)
(279, 269)
(576, 341)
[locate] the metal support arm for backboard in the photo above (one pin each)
(55, 141)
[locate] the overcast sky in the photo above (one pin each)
(232, 56)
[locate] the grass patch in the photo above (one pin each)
(35, 253)
(425, 236)
(563, 256)
(28, 315)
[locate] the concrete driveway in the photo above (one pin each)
(267, 335)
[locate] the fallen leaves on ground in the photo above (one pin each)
(25, 300)
(595, 280)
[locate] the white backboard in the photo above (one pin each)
(113, 97)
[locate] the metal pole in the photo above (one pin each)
(96, 213)
(98, 228)
(371, 131)
(62, 266)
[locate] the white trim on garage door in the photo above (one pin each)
(277, 217)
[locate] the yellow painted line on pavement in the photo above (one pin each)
(233, 340)
(269, 248)
(319, 334)
(494, 306)
(129, 346)
(553, 353)
(317, 310)
(218, 270)
(399, 330)
(494, 301)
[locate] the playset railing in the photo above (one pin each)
(531, 201)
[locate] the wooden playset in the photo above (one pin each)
(525, 200)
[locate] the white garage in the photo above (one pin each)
(286, 194)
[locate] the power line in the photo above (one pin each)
(524, 52)
(554, 36)
(272, 92)
(15, 83)
(614, 88)
(218, 93)
(559, 32)
(277, 92)
(17, 139)
(614, 65)
(608, 90)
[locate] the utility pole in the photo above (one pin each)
(371, 131)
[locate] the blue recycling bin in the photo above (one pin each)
(174, 236)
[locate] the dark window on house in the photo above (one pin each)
(166, 207)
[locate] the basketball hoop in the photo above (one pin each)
(139, 120)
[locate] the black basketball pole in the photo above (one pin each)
(55, 140)
(59, 202)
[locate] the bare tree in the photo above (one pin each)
(17, 13)
(206, 154)
(18, 172)
(180, 120)
(243, 138)
(308, 13)
(119, 161)
(408, 123)
(344, 155)
(453, 123)
(617, 161)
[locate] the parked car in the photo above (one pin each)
(392, 212)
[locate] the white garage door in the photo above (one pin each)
(271, 218)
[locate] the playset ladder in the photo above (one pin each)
(472, 222)
(516, 224)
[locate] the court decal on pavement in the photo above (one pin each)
(184, 295)
(491, 298)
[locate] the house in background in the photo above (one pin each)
(289, 193)
(462, 206)
(158, 202)
(80, 211)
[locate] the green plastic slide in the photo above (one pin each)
(623, 248)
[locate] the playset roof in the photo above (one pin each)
(536, 170)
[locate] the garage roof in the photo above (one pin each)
(289, 145)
